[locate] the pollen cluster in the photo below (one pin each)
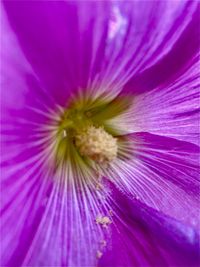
(96, 144)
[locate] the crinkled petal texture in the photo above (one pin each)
(57, 48)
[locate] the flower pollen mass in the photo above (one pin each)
(97, 144)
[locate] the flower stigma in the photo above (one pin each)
(97, 144)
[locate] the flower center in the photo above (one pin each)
(96, 144)
(79, 133)
(85, 129)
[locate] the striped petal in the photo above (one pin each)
(142, 236)
(170, 110)
(117, 45)
(64, 41)
(41, 211)
(161, 172)
(141, 37)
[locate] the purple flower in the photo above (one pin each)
(99, 131)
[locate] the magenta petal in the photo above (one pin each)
(161, 172)
(24, 190)
(64, 41)
(24, 101)
(113, 45)
(170, 66)
(49, 219)
(170, 110)
(47, 223)
(140, 41)
(174, 160)
(142, 236)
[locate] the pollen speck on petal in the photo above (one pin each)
(103, 220)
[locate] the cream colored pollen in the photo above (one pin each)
(97, 144)
(103, 220)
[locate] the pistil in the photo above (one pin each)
(96, 144)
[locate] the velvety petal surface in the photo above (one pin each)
(64, 41)
(141, 236)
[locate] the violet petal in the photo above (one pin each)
(142, 236)
(162, 172)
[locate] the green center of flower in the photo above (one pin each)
(84, 132)
(89, 139)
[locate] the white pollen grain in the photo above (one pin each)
(103, 220)
(64, 133)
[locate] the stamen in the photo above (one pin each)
(97, 144)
